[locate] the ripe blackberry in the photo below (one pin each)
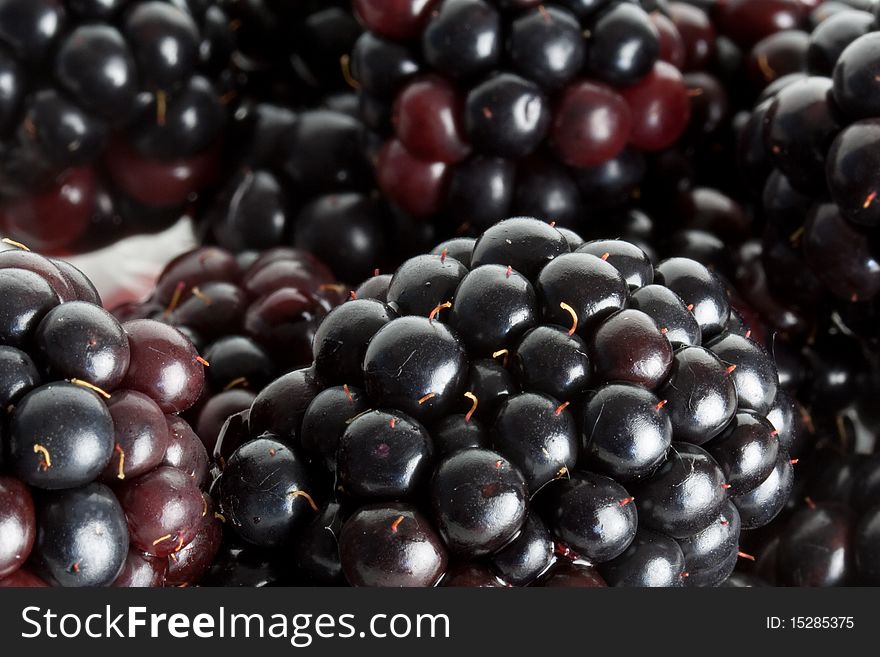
(534, 102)
(93, 403)
(104, 104)
(496, 426)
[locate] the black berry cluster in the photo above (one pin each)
(112, 112)
(520, 408)
(100, 478)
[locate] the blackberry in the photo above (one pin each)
(533, 101)
(94, 403)
(104, 102)
(502, 431)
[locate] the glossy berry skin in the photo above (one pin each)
(746, 451)
(548, 360)
(328, 416)
(341, 229)
(383, 455)
(414, 185)
(591, 514)
(279, 408)
(480, 190)
(629, 347)
(866, 543)
(527, 557)
(842, 255)
(669, 312)
(192, 120)
(382, 66)
(455, 432)
(684, 495)
(632, 263)
(478, 501)
(761, 504)
(546, 46)
(831, 37)
(82, 537)
(27, 299)
(163, 508)
(523, 243)
(83, 341)
(18, 375)
(317, 549)
(195, 558)
(264, 493)
(538, 436)
(69, 422)
(341, 340)
(854, 152)
(391, 546)
(18, 522)
(623, 45)
(163, 365)
(816, 547)
(165, 41)
(194, 268)
(30, 28)
(699, 287)
(493, 307)
(700, 395)
(626, 432)
(141, 432)
(714, 544)
(660, 108)
(96, 67)
(855, 78)
(463, 38)
(416, 365)
(233, 357)
(800, 128)
(491, 383)
(215, 411)
(400, 19)
(748, 22)
(427, 120)
(755, 376)
(506, 116)
(457, 248)
(672, 46)
(375, 287)
(593, 289)
(651, 560)
(423, 283)
(591, 124)
(546, 189)
(185, 451)
(141, 571)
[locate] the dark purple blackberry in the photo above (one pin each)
(494, 69)
(497, 422)
(98, 86)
